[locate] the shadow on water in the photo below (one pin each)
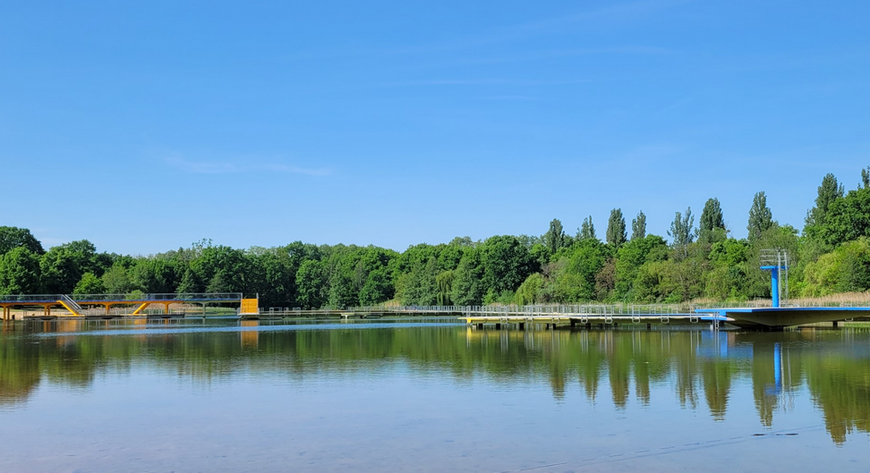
(701, 366)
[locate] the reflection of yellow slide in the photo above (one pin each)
(250, 306)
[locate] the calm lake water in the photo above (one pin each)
(428, 396)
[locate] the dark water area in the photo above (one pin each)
(225, 395)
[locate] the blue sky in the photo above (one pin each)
(145, 126)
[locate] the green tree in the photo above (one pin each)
(586, 230)
(116, 280)
(631, 257)
(311, 284)
(638, 226)
(616, 229)
(727, 277)
(468, 287)
(376, 289)
(218, 283)
(828, 192)
(444, 281)
(846, 219)
(554, 239)
(61, 270)
(574, 273)
(155, 275)
(846, 269)
(682, 231)
(506, 264)
(760, 217)
(342, 291)
(420, 286)
(232, 264)
(711, 220)
(14, 237)
(530, 289)
(89, 284)
(540, 254)
(371, 273)
(19, 272)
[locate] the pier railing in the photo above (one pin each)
(137, 297)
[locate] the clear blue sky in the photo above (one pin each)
(145, 126)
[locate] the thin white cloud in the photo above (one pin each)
(201, 167)
(612, 13)
(510, 97)
(630, 50)
(476, 82)
(297, 170)
(617, 13)
(206, 167)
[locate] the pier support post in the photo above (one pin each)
(498, 326)
(649, 326)
(835, 324)
(522, 326)
(573, 323)
(480, 326)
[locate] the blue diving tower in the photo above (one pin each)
(776, 261)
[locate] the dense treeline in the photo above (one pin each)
(831, 255)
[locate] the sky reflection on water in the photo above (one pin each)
(428, 396)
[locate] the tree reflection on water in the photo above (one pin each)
(702, 366)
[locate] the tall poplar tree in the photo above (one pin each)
(638, 226)
(587, 229)
(711, 219)
(554, 239)
(829, 191)
(616, 229)
(760, 216)
(682, 231)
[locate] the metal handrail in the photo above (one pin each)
(199, 296)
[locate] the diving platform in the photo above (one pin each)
(781, 317)
(778, 317)
(101, 305)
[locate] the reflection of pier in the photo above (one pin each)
(113, 305)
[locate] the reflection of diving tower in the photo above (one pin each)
(776, 261)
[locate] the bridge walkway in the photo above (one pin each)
(76, 305)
